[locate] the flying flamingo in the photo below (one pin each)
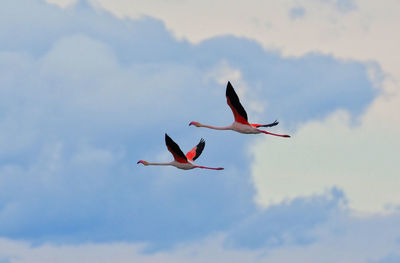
(182, 161)
(240, 124)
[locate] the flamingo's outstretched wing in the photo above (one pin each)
(276, 122)
(234, 103)
(196, 151)
(174, 149)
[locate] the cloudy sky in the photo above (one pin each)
(89, 87)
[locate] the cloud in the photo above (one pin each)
(84, 95)
(348, 29)
(358, 158)
(62, 3)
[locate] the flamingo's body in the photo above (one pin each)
(241, 123)
(182, 161)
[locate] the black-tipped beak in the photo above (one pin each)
(138, 162)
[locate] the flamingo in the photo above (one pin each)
(182, 161)
(240, 124)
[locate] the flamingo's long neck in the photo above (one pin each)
(216, 128)
(280, 135)
(211, 168)
(159, 163)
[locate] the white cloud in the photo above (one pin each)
(222, 73)
(361, 159)
(365, 32)
(62, 3)
(362, 32)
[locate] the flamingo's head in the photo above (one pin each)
(143, 162)
(195, 123)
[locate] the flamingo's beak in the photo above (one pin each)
(143, 162)
(195, 123)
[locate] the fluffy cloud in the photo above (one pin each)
(359, 157)
(356, 29)
(84, 95)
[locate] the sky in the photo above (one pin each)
(89, 87)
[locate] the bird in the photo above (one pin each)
(182, 161)
(241, 123)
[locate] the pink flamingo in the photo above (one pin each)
(240, 124)
(182, 161)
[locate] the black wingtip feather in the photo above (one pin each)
(276, 122)
(174, 147)
(233, 97)
(200, 148)
(229, 89)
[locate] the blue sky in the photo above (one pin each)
(86, 92)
